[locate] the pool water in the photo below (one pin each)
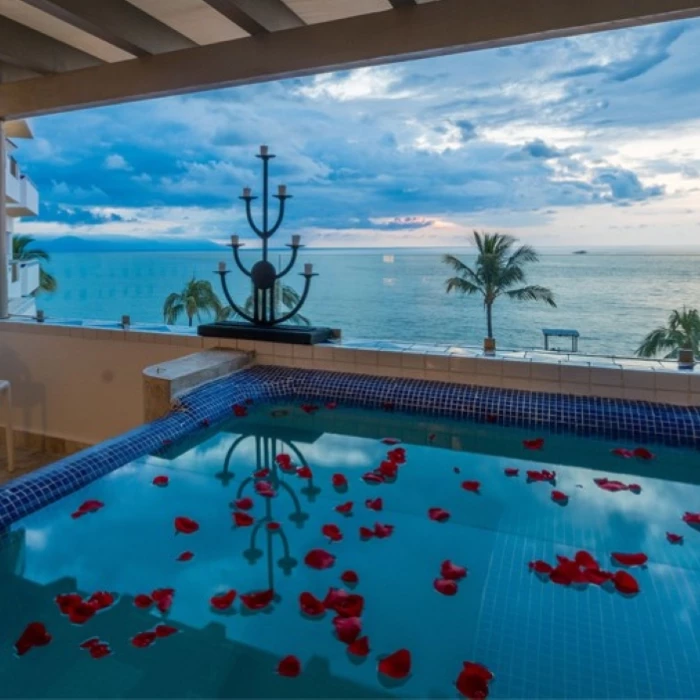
(539, 639)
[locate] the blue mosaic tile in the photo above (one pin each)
(584, 416)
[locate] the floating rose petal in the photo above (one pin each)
(445, 586)
(333, 596)
(143, 601)
(397, 455)
(332, 532)
(309, 407)
(347, 629)
(91, 506)
(560, 497)
(90, 642)
(438, 514)
(396, 665)
(622, 452)
(674, 539)
(99, 650)
(272, 526)
(331, 405)
(360, 647)
(472, 486)
(67, 601)
(586, 560)
(625, 583)
(304, 472)
(610, 485)
(344, 508)
(257, 600)
(339, 481)
(372, 478)
(383, 531)
(186, 526)
(541, 567)
(511, 471)
(243, 503)
(535, 444)
(165, 631)
(366, 533)
(691, 518)
(239, 411)
(319, 559)
(310, 605)
(161, 481)
(634, 488)
(143, 639)
(643, 453)
(636, 559)
(81, 613)
(34, 635)
(223, 601)
(596, 576)
(451, 571)
(345, 604)
(242, 519)
(478, 670)
(264, 489)
(261, 473)
(163, 598)
(289, 667)
(374, 503)
(101, 600)
(391, 441)
(543, 475)
(473, 681)
(349, 576)
(284, 461)
(388, 469)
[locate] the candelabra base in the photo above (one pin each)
(295, 335)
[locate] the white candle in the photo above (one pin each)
(40, 315)
(222, 266)
(296, 240)
(308, 269)
(263, 150)
(282, 190)
(246, 191)
(234, 240)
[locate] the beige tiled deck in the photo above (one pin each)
(25, 461)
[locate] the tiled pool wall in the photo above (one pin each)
(587, 416)
(584, 375)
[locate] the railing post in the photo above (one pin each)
(4, 256)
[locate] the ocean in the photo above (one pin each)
(613, 300)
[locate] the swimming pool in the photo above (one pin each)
(539, 637)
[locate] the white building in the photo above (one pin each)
(21, 199)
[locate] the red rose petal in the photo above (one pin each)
(691, 518)
(284, 461)
(90, 642)
(511, 471)
(319, 559)
(243, 503)
(397, 455)
(309, 407)
(186, 526)
(185, 556)
(344, 508)
(143, 601)
(101, 600)
(382, 531)
(143, 639)
(445, 586)
(390, 441)
(360, 647)
(372, 478)
(223, 601)
(67, 601)
(366, 533)
(257, 600)
(674, 539)
(304, 472)
(91, 506)
(349, 576)
(332, 532)
(586, 560)
(163, 631)
(473, 681)
(625, 583)
(374, 503)
(261, 473)
(451, 571)
(34, 635)
(472, 486)
(332, 405)
(559, 497)
(642, 453)
(347, 629)
(161, 481)
(388, 469)
(242, 519)
(535, 444)
(272, 526)
(541, 567)
(289, 667)
(99, 650)
(622, 452)
(264, 489)
(81, 613)
(239, 411)
(478, 670)
(636, 559)
(596, 576)
(396, 665)
(163, 598)
(345, 604)
(310, 605)
(543, 475)
(339, 481)
(438, 514)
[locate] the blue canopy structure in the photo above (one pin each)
(561, 333)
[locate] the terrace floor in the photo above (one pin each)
(26, 460)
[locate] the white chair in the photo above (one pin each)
(6, 393)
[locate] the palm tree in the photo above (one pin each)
(196, 297)
(286, 298)
(21, 251)
(498, 271)
(681, 333)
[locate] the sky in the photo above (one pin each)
(585, 141)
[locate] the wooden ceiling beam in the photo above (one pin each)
(25, 48)
(258, 16)
(436, 28)
(402, 3)
(117, 22)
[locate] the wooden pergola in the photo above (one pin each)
(59, 55)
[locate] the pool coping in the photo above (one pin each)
(638, 421)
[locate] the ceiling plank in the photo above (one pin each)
(118, 23)
(24, 48)
(430, 29)
(258, 16)
(402, 3)
(9, 74)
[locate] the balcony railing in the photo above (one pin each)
(23, 278)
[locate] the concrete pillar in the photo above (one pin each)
(4, 253)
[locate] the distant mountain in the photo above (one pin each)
(75, 244)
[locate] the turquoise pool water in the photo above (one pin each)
(539, 639)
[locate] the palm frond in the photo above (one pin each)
(459, 284)
(533, 292)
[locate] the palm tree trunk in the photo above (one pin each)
(489, 322)
(190, 318)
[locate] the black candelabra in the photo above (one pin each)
(263, 275)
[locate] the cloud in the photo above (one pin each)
(114, 161)
(624, 185)
(539, 149)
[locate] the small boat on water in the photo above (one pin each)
(580, 252)
(388, 258)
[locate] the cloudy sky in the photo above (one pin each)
(588, 141)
